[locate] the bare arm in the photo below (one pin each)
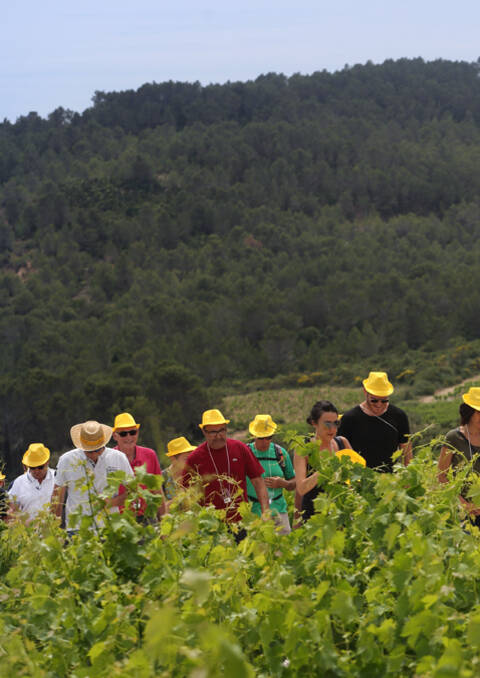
(57, 501)
(261, 491)
(304, 484)
(407, 453)
(278, 481)
(444, 463)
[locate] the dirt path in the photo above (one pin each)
(448, 390)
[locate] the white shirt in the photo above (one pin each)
(30, 495)
(83, 478)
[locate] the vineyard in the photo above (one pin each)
(383, 580)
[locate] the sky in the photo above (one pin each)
(58, 53)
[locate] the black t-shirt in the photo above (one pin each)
(375, 438)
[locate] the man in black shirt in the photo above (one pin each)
(375, 428)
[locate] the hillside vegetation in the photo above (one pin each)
(170, 244)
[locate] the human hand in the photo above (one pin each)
(274, 482)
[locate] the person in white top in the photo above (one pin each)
(31, 492)
(84, 471)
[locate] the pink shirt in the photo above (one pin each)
(144, 456)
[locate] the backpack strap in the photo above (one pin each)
(279, 455)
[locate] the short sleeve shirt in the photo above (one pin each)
(269, 461)
(221, 470)
(144, 456)
(30, 495)
(83, 478)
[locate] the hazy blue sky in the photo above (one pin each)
(56, 53)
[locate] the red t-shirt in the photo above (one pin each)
(148, 457)
(235, 461)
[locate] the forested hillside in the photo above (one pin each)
(180, 236)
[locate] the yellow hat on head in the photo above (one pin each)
(2, 477)
(36, 455)
(262, 426)
(179, 446)
(212, 418)
(125, 420)
(378, 384)
(472, 398)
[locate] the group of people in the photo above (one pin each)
(229, 471)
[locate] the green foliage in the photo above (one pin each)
(382, 581)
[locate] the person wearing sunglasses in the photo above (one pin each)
(31, 492)
(375, 427)
(125, 434)
(324, 419)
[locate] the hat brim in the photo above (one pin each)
(382, 392)
(174, 454)
(214, 423)
(39, 461)
(75, 434)
(471, 403)
(261, 434)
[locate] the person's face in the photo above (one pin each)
(216, 436)
(262, 444)
(326, 425)
(39, 472)
(126, 438)
(179, 461)
(377, 404)
(94, 454)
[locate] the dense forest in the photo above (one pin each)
(179, 237)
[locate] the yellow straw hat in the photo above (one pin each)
(354, 456)
(472, 398)
(262, 426)
(90, 435)
(378, 384)
(212, 418)
(2, 477)
(36, 455)
(178, 446)
(125, 420)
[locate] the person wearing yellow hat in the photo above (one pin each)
(463, 445)
(278, 470)
(125, 434)
(225, 464)
(84, 471)
(178, 450)
(31, 492)
(375, 427)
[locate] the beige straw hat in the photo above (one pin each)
(90, 435)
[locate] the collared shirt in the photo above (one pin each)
(30, 495)
(84, 479)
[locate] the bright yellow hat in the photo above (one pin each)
(36, 455)
(354, 456)
(472, 398)
(178, 446)
(2, 477)
(378, 384)
(262, 426)
(212, 418)
(125, 420)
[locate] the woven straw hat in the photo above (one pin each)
(262, 426)
(90, 435)
(179, 446)
(212, 418)
(36, 455)
(378, 384)
(472, 398)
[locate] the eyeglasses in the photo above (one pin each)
(124, 434)
(332, 424)
(218, 432)
(38, 468)
(379, 400)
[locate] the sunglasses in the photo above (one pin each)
(218, 432)
(124, 434)
(37, 468)
(379, 400)
(332, 424)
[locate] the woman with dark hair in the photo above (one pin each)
(324, 419)
(464, 444)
